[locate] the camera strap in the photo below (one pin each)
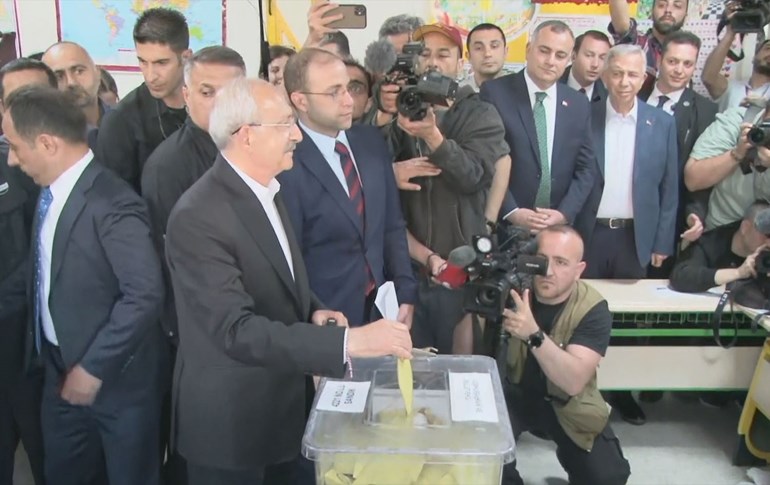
(716, 319)
(731, 54)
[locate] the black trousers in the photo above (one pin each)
(436, 314)
(603, 465)
(296, 472)
(115, 440)
(612, 255)
(20, 420)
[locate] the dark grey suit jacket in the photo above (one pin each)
(244, 351)
(106, 283)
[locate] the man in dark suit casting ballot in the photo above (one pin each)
(242, 299)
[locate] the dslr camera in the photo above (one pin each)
(751, 16)
(419, 92)
(495, 273)
(758, 136)
(762, 263)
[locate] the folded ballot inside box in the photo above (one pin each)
(361, 433)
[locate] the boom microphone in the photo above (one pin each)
(454, 275)
(380, 57)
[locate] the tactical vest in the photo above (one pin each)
(584, 416)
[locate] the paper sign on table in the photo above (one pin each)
(471, 397)
(344, 396)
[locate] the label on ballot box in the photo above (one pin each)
(472, 397)
(343, 396)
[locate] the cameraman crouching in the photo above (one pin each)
(725, 254)
(557, 341)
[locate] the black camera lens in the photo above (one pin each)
(360, 11)
(488, 297)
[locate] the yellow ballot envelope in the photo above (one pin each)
(426, 421)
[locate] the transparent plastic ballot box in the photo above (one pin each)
(457, 434)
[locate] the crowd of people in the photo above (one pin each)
(180, 261)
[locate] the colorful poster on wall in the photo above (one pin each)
(518, 18)
(105, 27)
(9, 32)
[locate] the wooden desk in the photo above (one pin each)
(665, 313)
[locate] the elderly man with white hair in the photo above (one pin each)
(636, 148)
(250, 329)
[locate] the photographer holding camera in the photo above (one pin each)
(557, 341)
(725, 254)
(732, 156)
(456, 139)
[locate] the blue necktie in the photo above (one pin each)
(43, 204)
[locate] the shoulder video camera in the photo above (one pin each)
(496, 272)
(419, 92)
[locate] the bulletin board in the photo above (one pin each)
(518, 18)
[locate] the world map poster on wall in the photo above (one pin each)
(105, 27)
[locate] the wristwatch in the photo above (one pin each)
(536, 339)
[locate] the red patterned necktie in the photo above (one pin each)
(356, 197)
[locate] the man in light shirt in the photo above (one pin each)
(729, 93)
(588, 58)
(250, 328)
(487, 50)
(636, 220)
(97, 293)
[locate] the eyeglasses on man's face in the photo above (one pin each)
(287, 124)
(335, 94)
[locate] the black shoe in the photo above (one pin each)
(715, 399)
(629, 410)
(650, 396)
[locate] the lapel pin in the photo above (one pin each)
(649, 123)
(685, 103)
(564, 103)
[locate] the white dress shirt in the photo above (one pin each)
(668, 106)
(326, 144)
(549, 103)
(619, 146)
(61, 188)
(574, 84)
(266, 196)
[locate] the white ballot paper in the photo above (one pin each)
(387, 301)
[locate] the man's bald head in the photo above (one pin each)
(75, 71)
(563, 247)
(567, 238)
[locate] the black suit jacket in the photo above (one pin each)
(573, 163)
(106, 283)
(239, 381)
(597, 95)
(18, 195)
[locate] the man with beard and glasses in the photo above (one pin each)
(729, 94)
(152, 112)
(76, 73)
(667, 16)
